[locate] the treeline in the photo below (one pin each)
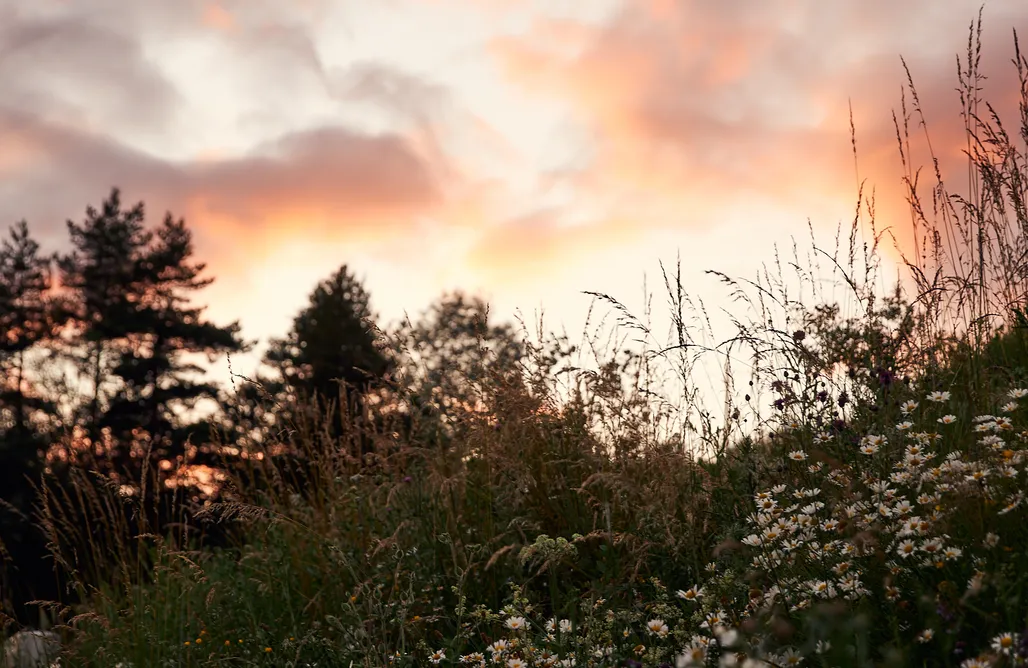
(100, 351)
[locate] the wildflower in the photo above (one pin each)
(790, 658)
(516, 663)
(913, 461)
(713, 620)
(437, 656)
(498, 647)
(657, 627)
(904, 426)
(947, 419)
(906, 548)
(694, 593)
(928, 499)
(903, 507)
(823, 589)
(517, 623)
(976, 476)
(727, 637)
(868, 449)
(753, 540)
(1017, 393)
(975, 663)
(991, 540)
(1009, 407)
(908, 407)
(565, 626)
(797, 455)
(925, 636)
(938, 397)
(1014, 503)
(1005, 643)
(952, 553)
(694, 655)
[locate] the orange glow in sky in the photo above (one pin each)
(523, 151)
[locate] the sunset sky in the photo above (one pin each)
(521, 150)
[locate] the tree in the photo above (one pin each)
(332, 351)
(131, 291)
(451, 355)
(28, 317)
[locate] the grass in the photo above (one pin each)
(858, 501)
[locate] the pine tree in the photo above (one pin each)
(28, 317)
(131, 289)
(331, 354)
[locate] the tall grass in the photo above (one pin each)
(856, 500)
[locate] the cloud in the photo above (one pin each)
(342, 181)
(77, 68)
(689, 105)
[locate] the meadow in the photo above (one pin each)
(855, 498)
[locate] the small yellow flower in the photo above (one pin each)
(187, 643)
(267, 649)
(199, 640)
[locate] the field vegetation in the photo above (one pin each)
(852, 495)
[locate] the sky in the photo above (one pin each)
(521, 150)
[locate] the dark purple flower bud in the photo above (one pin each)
(408, 479)
(885, 377)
